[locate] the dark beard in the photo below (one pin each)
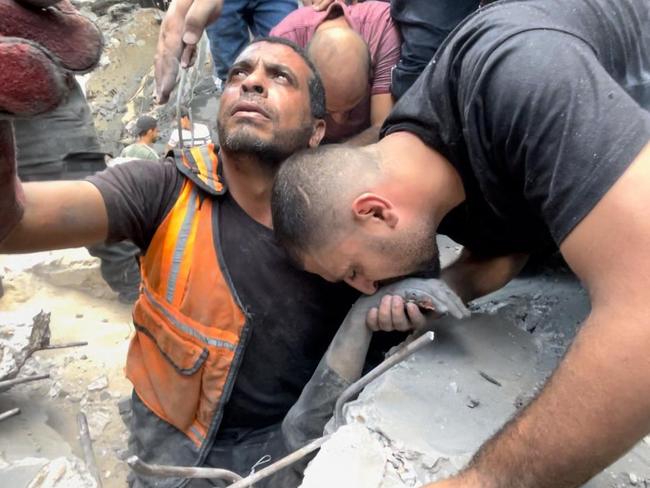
(272, 153)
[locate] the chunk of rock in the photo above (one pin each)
(98, 419)
(358, 456)
(99, 383)
(20, 336)
(63, 473)
(75, 272)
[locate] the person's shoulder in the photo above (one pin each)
(371, 11)
(298, 19)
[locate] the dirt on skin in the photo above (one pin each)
(69, 286)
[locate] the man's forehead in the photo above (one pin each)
(274, 53)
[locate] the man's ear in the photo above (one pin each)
(317, 133)
(370, 207)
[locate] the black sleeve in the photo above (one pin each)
(138, 195)
(538, 118)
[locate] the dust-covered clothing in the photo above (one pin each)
(539, 106)
(290, 315)
(372, 21)
(140, 150)
(198, 136)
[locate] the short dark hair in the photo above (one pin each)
(144, 124)
(184, 111)
(315, 84)
(311, 192)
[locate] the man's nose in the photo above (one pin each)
(255, 82)
(364, 285)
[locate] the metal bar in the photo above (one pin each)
(140, 467)
(19, 381)
(356, 387)
(9, 413)
(63, 346)
(179, 97)
(282, 463)
(87, 448)
(158, 470)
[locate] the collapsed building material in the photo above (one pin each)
(87, 448)
(19, 339)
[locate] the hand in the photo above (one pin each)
(40, 42)
(320, 5)
(398, 305)
(180, 32)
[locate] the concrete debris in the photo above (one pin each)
(63, 473)
(98, 383)
(431, 413)
(19, 338)
(98, 419)
(358, 456)
(78, 274)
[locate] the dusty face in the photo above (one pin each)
(265, 106)
(365, 261)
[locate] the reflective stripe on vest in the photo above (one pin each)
(188, 324)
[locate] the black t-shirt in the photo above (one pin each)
(538, 105)
(293, 314)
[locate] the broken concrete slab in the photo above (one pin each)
(360, 461)
(63, 473)
(20, 336)
(432, 412)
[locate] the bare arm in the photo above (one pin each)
(472, 277)
(380, 107)
(596, 406)
(58, 215)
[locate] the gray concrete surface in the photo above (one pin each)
(432, 412)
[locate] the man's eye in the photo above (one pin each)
(353, 274)
(281, 76)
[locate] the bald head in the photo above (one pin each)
(313, 191)
(342, 58)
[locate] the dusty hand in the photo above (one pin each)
(40, 42)
(399, 306)
(319, 5)
(180, 32)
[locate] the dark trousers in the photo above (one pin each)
(424, 24)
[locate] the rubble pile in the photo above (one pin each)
(19, 338)
(424, 419)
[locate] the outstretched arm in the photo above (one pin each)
(596, 405)
(41, 43)
(344, 360)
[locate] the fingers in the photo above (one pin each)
(320, 5)
(200, 14)
(392, 314)
(415, 315)
(70, 37)
(31, 81)
(180, 32)
(168, 50)
(453, 305)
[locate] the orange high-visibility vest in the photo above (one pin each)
(189, 324)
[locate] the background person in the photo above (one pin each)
(146, 131)
(354, 48)
(194, 134)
